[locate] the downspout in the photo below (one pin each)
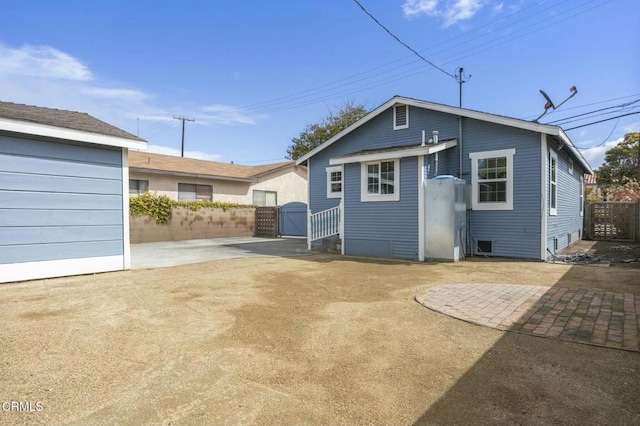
(435, 141)
(460, 141)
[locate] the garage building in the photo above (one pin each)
(64, 205)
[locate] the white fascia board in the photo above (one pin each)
(349, 129)
(583, 162)
(186, 174)
(392, 155)
(68, 134)
(478, 115)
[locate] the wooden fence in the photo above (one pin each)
(612, 221)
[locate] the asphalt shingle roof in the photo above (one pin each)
(62, 118)
(169, 163)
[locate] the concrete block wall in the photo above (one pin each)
(186, 224)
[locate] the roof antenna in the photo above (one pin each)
(550, 104)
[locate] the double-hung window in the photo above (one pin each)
(334, 182)
(553, 190)
(492, 179)
(380, 181)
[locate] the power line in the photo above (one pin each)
(602, 121)
(402, 42)
(594, 111)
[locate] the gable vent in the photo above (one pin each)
(400, 117)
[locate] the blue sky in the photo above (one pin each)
(254, 73)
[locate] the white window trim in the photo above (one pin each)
(553, 211)
(570, 167)
(475, 156)
(405, 126)
(330, 170)
(366, 197)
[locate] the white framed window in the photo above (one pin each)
(492, 179)
(400, 117)
(581, 195)
(553, 189)
(265, 198)
(380, 181)
(570, 167)
(193, 192)
(334, 182)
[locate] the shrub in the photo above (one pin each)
(159, 207)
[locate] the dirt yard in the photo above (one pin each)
(311, 340)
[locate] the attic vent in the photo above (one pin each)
(400, 117)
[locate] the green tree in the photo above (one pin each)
(315, 134)
(622, 162)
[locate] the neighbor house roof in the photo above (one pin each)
(167, 164)
(58, 123)
(468, 113)
(591, 179)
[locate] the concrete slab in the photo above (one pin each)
(174, 253)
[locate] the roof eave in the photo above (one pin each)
(187, 174)
(27, 128)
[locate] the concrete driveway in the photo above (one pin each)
(174, 253)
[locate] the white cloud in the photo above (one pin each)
(158, 149)
(112, 93)
(595, 155)
(42, 61)
(417, 7)
(451, 11)
(227, 114)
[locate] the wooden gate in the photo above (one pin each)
(293, 219)
(267, 222)
(613, 221)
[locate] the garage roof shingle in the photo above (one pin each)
(61, 118)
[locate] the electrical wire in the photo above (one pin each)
(602, 121)
(622, 106)
(402, 42)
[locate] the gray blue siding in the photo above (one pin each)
(390, 229)
(517, 232)
(382, 229)
(568, 223)
(59, 201)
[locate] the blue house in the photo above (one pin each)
(64, 193)
(515, 187)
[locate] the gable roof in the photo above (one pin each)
(468, 113)
(58, 123)
(168, 164)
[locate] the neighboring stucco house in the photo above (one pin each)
(373, 184)
(191, 179)
(64, 205)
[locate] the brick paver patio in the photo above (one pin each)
(590, 316)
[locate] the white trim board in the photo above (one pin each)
(68, 134)
(126, 247)
(12, 272)
(461, 112)
(393, 155)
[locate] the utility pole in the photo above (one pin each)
(460, 79)
(183, 119)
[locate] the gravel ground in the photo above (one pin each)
(312, 340)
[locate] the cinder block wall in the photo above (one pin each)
(186, 224)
